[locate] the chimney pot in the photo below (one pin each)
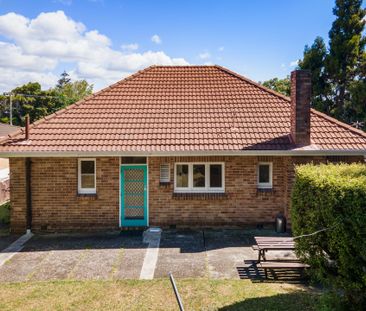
(27, 127)
(300, 107)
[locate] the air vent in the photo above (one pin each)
(165, 173)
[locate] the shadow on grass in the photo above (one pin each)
(304, 301)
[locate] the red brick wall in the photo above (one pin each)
(55, 203)
(57, 206)
(242, 203)
(17, 195)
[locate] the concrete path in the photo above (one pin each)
(14, 248)
(187, 254)
(152, 237)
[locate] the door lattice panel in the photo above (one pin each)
(134, 213)
(134, 175)
(134, 194)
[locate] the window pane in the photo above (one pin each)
(199, 175)
(264, 173)
(87, 181)
(87, 167)
(133, 160)
(215, 176)
(182, 176)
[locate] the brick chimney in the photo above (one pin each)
(300, 107)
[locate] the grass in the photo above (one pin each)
(197, 294)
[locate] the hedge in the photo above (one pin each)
(5, 213)
(333, 196)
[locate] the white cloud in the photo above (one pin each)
(156, 39)
(65, 2)
(130, 47)
(37, 47)
(221, 48)
(294, 63)
(204, 55)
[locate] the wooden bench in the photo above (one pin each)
(281, 265)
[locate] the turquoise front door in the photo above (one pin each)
(134, 196)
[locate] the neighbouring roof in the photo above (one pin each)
(6, 129)
(181, 109)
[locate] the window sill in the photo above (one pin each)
(87, 196)
(199, 195)
(265, 190)
(164, 184)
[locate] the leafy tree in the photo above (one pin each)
(72, 92)
(282, 86)
(314, 58)
(31, 99)
(339, 73)
(346, 54)
(64, 79)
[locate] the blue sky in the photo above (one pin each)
(260, 39)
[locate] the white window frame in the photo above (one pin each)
(207, 188)
(268, 185)
(87, 190)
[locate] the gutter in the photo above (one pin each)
(294, 152)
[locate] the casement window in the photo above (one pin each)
(264, 175)
(164, 173)
(199, 177)
(87, 176)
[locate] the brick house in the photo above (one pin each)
(184, 146)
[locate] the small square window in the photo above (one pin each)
(264, 175)
(86, 176)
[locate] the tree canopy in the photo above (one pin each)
(282, 86)
(31, 99)
(339, 71)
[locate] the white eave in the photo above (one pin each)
(293, 152)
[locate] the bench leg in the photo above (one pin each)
(259, 255)
(266, 273)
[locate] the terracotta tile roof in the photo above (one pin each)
(180, 108)
(6, 129)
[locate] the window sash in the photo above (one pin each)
(207, 187)
(269, 184)
(82, 190)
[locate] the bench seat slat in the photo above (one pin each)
(282, 264)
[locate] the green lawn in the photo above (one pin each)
(197, 294)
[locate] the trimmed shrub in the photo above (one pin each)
(333, 196)
(5, 213)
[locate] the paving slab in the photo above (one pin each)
(98, 259)
(21, 266)
(130, 263)
(57, 265)
(182, 253)
(228, 251)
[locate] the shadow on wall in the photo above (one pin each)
(290, 301)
